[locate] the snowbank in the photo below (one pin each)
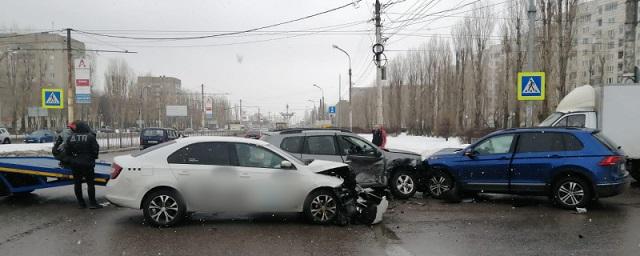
(34, 149)
(423, 145)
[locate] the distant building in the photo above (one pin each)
(599, 42)
(41, 59)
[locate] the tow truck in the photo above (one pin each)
(22, 175)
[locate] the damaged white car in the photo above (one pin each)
(228, 174)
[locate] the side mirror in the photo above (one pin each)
(470, 153)
(286, 165)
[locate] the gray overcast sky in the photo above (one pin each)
(269, 74)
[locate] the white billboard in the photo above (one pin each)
(176, 110)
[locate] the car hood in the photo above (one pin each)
(445, 153)
(391, 154)
(319, 166)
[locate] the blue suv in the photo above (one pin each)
(573, 166)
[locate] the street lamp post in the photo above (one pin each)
(321, 101)
(313, 117)
(350, 84)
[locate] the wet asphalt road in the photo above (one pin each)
(48, 223)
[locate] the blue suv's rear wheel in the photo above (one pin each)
(572, 192)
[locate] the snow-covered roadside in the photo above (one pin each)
(423, 145)
(34, 149)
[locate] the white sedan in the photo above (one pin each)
(228, 174)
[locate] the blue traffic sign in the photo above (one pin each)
(531, 85)
(52, 98)
(332, 109)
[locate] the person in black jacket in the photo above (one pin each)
(58, 147)
(82, 149)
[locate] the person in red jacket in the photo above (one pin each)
(379, 136)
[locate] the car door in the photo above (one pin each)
(322, 147)
(486, 165)
(205, 175)
(268, 187)
(364, 159)
(536, 156)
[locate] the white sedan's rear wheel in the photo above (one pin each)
(163, 208)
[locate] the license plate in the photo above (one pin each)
(152, 142)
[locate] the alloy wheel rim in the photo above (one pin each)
(438, 185)
(323, 208)
(571, 193)
(163, 209)
(404, 184)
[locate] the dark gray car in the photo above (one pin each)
(400, 171)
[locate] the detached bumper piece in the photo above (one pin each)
(360, 206)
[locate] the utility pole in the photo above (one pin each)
(70, 85)
(379, 67)
(241, 112)
(530, 49)
(339, 99)
(204, 107)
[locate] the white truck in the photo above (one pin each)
(612, 109)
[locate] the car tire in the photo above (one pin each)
(403, 184)
(572, 192)
(163, 208)
(634, 170)
(6, 141)
(321, 207)
(439, 183)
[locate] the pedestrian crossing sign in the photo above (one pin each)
(531, 86)
(52, 98)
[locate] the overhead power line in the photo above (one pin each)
(222, 34)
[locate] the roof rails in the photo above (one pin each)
(299, 130)
(545, 127)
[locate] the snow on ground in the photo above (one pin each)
(33, 149)
(4, 148)
(423, 145)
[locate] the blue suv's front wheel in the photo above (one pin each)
(572, 192)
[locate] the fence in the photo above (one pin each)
(108, 141)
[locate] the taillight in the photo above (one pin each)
(115, 171)
(609, 161)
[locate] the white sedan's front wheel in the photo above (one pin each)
(321, 207)
(163, 208)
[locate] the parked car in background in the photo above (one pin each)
(154, 136)
(610, 109)
(229, 174)
(40, 136)
(188, 130)
(5, 137)
(400, 171)
(571, 165)
(253, 134)
(106, 129)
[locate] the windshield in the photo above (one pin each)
(38, 133)
(153, 133)
(551, 119)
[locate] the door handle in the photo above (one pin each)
(244, 175)
(554, 156)
(183, 173)
(347, 161)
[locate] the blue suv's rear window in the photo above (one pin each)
(548, 142)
